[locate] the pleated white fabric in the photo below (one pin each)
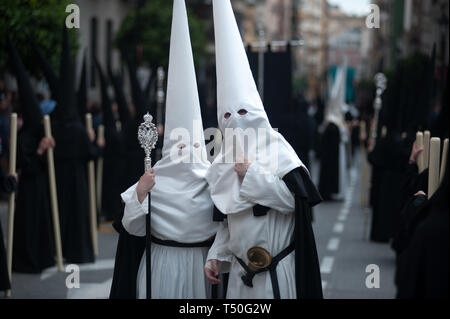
(177, 273)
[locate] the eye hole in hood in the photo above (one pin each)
(242, 112)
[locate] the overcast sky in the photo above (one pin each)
(359, 7)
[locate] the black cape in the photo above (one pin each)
(130, 250)
(72, 152)
(307, 269)
(33, 246)
(329, 161)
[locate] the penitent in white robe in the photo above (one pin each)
(177, 272)
(274, 232)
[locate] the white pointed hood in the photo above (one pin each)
(181, 204)
(336, 105)
(240, 107)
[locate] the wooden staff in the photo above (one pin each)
(12, 196)
(100, 137)
(91, 181)
(444, 160)
(433, 169)
(53, 195)
(420, 158)
(426, 151)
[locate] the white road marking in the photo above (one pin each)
(327, 265)
(324, 284)
(342, 217)
(333, 244)
(338, 228)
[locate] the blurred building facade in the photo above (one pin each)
(408, 26)
(327, 33)
(313, 30)
(348, 37)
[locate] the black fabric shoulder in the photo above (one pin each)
(299, 182)
(260, 210)
(217, 215)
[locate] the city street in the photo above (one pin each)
(341, 230)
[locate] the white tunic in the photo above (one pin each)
(177, 273)
(274, 232)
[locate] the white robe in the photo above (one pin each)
(274, 232)
(177, 272)
(343, 172)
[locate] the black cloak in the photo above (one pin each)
(72, 152)
(33, 246)
(111, 205)
(329, 161)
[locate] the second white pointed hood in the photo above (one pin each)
(239, 106)
(181, 204)
(336, 105)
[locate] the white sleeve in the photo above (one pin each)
(134, 213)
(266, 189)
(219, 249)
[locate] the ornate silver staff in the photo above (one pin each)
(148, 136)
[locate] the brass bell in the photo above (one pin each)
(258, 258)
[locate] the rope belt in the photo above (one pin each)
(171, 243)
(272, 268)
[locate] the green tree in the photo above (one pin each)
(42, 20)
(150, 27)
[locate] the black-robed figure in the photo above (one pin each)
(388, 160)
(74, 148)
(329, 161)
(33, 245)
(111, 205)
(406, 104)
